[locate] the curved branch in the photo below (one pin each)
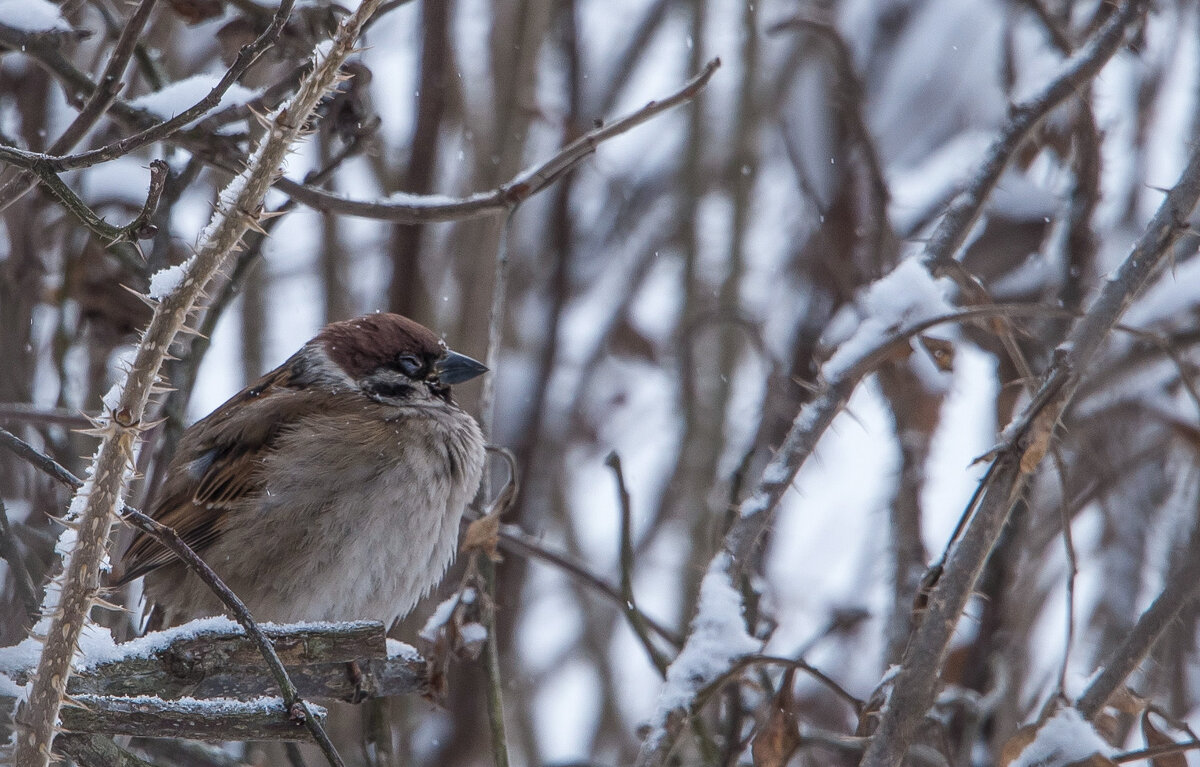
(413, 209)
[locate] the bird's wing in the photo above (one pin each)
(218, 464)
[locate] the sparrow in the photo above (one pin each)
(330, 489)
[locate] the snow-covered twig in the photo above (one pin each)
(1026, 441)
(202, 719)
(716, 639)
(237, 212)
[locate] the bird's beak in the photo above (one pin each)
(455, 368)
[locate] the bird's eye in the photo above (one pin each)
(410, 365)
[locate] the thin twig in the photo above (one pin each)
(628, 603)
(38, 459)
(24, 413)
(137, 229)
(1064, 509)
(10, 552)
(486, 566)
(517, 541)
(750, 661)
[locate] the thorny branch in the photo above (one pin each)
(139, 228)
(38, 721)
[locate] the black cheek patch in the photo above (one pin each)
(387, 389)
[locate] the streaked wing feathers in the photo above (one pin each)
(218, 465)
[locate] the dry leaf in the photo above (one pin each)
(941, 350)
(777, 740)
(1156, 737)
(483, 535)
(1040, 432)
(778, 737)
(1013, 747)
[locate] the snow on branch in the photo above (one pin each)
(210, 673)
(905, 296)
(33, 16)
(716, 639)
(1065, 738)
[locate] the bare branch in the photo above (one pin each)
(636, 620)
(137, 229)
(39, 460)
